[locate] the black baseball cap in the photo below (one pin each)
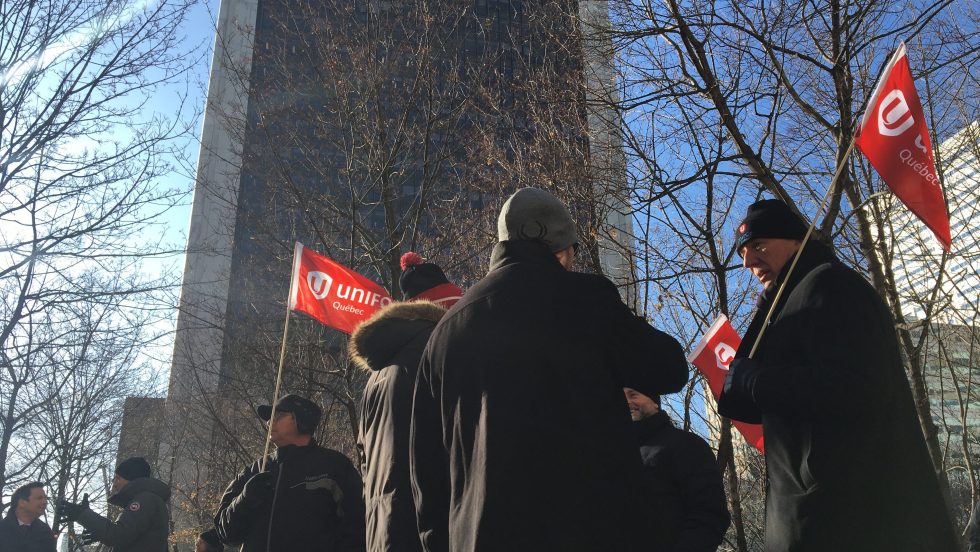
(306, 412)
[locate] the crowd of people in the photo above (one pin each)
(525, 414)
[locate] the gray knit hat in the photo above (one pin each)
(533, 213)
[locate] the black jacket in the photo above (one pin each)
(143, 525)
(682, 485)
(390, 345)
(316, 505)
(36, 537)
(521, 437)
(847, 464)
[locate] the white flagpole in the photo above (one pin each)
(290, 303)
(806, 239)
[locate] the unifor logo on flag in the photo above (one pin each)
(894, 137)
(711, 356)
(332, 293)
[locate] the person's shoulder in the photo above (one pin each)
(690, 440)
(8, 521)
(331, 457)
(839, 280)
(688, 447)
(595, 283)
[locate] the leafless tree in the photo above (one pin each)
(82, 168)
(721, 102)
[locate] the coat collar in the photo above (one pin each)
(814, 254)
(139, 485)
(648, 427)
(522, 251)
(376, 342)
(292, 452)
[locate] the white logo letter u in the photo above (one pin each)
(893, 114)
(319, 283)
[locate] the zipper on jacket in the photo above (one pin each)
(272, 512)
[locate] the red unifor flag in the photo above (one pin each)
(332, 293)
(894, 137)
(711, 357)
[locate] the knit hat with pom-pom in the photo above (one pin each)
(422, 280)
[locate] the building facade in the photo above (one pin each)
(366, 129)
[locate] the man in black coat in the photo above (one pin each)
(143, 525)
(389, 346)
(22, 529)
(681, 482)
(521, 439)
(846, 463)
(308, 499)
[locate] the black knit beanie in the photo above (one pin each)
(422, 280)
(769, 218)
(133, 468)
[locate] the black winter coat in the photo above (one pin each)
(36, 537)
(143, 525)
(683, 486)
(390, 345)
(847, 464)
(316, 505)
(521, 437)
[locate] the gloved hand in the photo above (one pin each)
(737, 400)
(742, 375)
(258, 489)
(87, 538)
(70, 511)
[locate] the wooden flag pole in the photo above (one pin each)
(799, 252)
(297, 255)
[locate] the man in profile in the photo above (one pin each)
(521, 439)
(681, 481)
(22, 529)
(308, 498)
(144, 522)
(846, 463)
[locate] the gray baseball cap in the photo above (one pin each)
(536, 214)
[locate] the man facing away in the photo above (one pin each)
(308, 499)
(846, 463)
(22, 529)
(521, 439)
(388, 346)
(143, 525)
(681, 481)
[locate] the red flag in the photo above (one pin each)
(332, 293)
(711, 357)
(894, 137)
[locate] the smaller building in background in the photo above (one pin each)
(142, 429)
(929, 286)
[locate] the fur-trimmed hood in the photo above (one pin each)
(380, 338)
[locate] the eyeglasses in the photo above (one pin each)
(758, 248)
(575, 247)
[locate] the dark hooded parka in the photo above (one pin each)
(846, 461)
(389, 345)
(521, 437)
(143, 525)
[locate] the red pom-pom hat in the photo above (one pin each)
(422, 280)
